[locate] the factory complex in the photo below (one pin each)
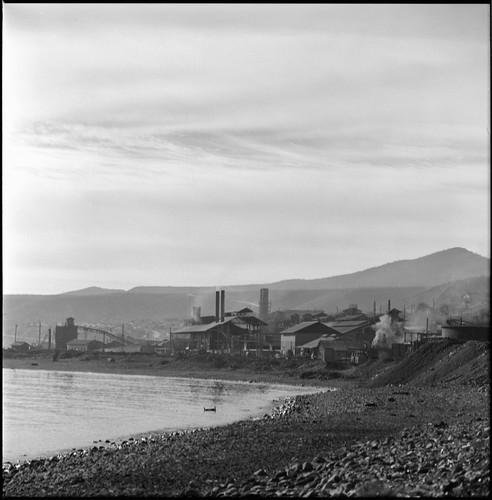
(349, 336)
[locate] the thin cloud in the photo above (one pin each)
(172, 134)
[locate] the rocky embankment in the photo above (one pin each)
(356, 442)
(433, 461)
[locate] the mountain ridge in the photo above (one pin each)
(170, 305)
(433, 269)
(404, 270)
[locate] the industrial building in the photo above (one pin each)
(466, 332)
(81, 345)
(358, 334)
(67, 333)
(229, 332)
(64, 334)
(295, 336)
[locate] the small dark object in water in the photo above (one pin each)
(210, 409)
(34, 364)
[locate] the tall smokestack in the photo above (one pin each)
(263, 309)
(389, 305)
(217, 306)
(222, 305)
(374, 309)
(49, 339)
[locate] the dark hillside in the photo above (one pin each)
(438, 363)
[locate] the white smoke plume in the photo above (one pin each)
(387, 333)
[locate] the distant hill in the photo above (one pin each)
(442, 277)
(171, 289)
(432, 270)
(94, 290)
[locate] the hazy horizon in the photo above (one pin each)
(225, 285)
(219, 144)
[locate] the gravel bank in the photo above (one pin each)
(354, 441)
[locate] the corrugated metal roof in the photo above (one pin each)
(351, 323)
(310, 345)
(302, 326)
(348, 326)
(251, 320)
(331, 341)
(195, 328)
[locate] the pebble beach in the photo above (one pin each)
(352, 442)
(395, 440)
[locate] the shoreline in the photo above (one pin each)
(430, 440)
(268, 407)
(81, 367)
(157, 370)
(311, 432)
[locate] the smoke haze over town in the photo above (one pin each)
(202, 145)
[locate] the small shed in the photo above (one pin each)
(20, 346)
(333, 349)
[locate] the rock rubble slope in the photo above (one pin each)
(418, 439)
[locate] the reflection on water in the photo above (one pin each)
(48, 411)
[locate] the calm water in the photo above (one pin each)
(46, 412)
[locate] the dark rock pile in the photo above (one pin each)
(440, 363)
(433, 461)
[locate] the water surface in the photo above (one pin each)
(47, 412)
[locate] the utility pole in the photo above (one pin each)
(39, 334)
(15, 334)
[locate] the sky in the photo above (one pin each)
(224, 144)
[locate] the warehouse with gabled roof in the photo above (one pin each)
(295, 336)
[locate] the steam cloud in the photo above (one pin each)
(387, 332)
